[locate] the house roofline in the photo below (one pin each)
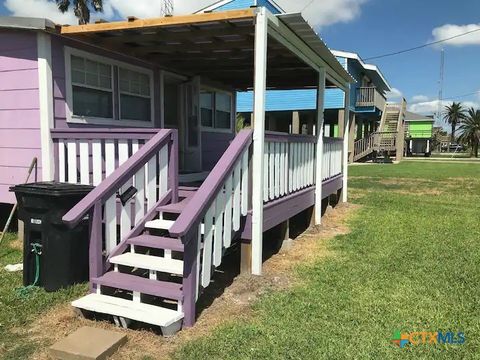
(371, 67)
(26, 23)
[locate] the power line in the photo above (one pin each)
(421, 46)
(306, 6)
(462, 96)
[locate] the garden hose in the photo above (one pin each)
(25, 290)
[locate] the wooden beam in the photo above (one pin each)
(160, 22)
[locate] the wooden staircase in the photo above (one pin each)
(162, 260)
(145, 283)
(386, 139)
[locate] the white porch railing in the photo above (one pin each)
(289, 164)
(88, 156)
(332, 157)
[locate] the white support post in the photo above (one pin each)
(345, 143)
(260, 81)
(319, 153)
(45, 90)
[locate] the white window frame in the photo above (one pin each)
(232, 112)
(140, 70)
(115, 64)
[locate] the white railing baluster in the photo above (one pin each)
(163, 171)
(61, 161)
(109, 157)
(265, 172)
(84, 163)
(244, 189)
(111, 223)
(282, 170)
(207, 246)
(97, 162)
(271, 169)
(139, 184)
(72, 161)
(218, 233)
(277, 170)
(151, 183)
(227, 230)
(236, 197)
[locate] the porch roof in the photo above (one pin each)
(218, 46)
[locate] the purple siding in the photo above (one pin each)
(214, 145)
(19, 108)
(59, 86)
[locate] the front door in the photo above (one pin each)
(192, 151)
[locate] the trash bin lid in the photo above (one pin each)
(52, 188)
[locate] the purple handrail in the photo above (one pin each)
(198, 206)
(284, 137)
(103, 133)
(120, 176)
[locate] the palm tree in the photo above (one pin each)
(81, 8)
(470, 130)
(453, 115)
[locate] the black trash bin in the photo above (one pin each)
(55, 253)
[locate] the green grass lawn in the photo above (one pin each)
(411, 263)
(18, 312)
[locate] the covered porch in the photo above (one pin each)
(261, 180)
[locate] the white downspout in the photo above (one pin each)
(345, 143)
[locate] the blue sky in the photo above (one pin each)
(384, 26)
(368, 27)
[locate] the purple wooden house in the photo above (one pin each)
(143, 107)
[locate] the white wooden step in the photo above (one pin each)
(162, 224)
(149, 262)
(159, 224)
(146, 313)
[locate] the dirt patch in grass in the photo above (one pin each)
(234, 302)
(16, 244)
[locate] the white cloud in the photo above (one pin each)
(394, 94)
(325, 12)
(419, 98)
(319, 13)
(449, 30)
(431, 107)
(41, 9)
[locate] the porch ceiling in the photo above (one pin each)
(218, 46)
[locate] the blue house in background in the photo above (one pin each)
(225, 5)
(294, 111)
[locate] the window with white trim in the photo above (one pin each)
(106, 91)
(92, 89)
(216, 110)
(135, 96)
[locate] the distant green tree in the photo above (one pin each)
(470, 130)
(81, 8)
(453, 115)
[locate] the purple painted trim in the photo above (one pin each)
(119, 177)
(156, 242)
(289, 138)
(104, 133)
(95, 247)
(201, 201)
(332, 185)
(332, 140)
(125, 281)
(280, 210)
(138, 229)
(189, 282)
(173, 167)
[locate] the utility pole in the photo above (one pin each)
(440, 87)
(167, 7)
